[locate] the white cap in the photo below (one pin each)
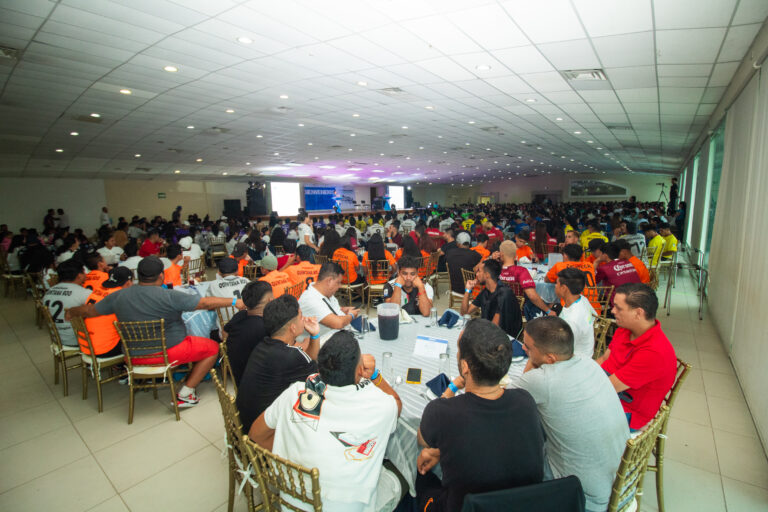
(463, 238)
(186, 242)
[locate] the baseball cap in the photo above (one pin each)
(463, 238)
(150, 267)
(118, 276)
(186, 242)
(227, 266)
(269, 262)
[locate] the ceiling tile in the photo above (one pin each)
(632, 77)
(525, 59)
(576, 54)
(603, 18)
(502, 33)
(692, 46)
(751, 11)
(669, 70)
(559, 24)
(672, 14)
(626, 50)
(737, 41)
(723, 73)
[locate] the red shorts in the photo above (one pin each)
(190, 350)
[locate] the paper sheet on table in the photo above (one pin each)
(427, 346)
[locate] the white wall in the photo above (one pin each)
(738, 274)
(25, 201)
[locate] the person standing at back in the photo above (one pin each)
(582, 417)
(486, 439)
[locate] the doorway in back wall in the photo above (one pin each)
(553, 196)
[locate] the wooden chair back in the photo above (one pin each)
(601, 326)
(377, 272)
(628, 484)
(251, 272)
(600, 294)
(320, 259)
(280, 478)
(296, 290)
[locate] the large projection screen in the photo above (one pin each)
(396, 196)
(286, 198)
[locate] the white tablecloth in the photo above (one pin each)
(545, 290)
(403, 448)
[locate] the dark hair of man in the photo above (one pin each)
(573, 279)
(551, 335)
(641, 296)
(493, 269)
(301, 217)
(597, 245)
(254, 293)
(487, 350)
(612, 250)
(524, 235)
(330, 269)
(92, 261)
(450, 232)
(594, 223)
(622, 245)
(407, 262)
(304, 252)
(173, 251)
(338, 359)
(279, 312)
(239, 250)
(396, 223)
(663, 225)
(631, 227)
(376, 248)
(152, 232)
(69, 270)
(573, 251)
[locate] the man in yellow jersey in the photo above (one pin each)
(670, 241)
(655, 245)
(592, 232)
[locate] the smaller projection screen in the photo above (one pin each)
(286, 198)
(396, 196)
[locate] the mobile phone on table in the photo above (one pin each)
(413, 376)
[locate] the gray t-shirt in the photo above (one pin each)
(141, 303)
(584, 422)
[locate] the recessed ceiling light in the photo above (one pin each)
(94, 114)
(247, 163)
(300, 175)
(429, 107)
(327, 166)
(283, 96)
(531, 100)
(404, 127)
(421, 147)
(309, 143)
(598, 148)
(190, 127)
(377, 170)
(577, 133)
(471, 122)
(606, 154)
(391, 142)
(125, 91)
(74, 134)
(244, 40)
(351, 134)
(590, 142)
(171, 69)
(137, 155)
(59, 150)
(224, 173)
(522, 142)
(277, 154)
(301, 124)
(198, 160)
(558, 119)
(177, 171)
(259, 136)
(355, 115)
(350, 149)
(362, 84)
(229, 111)
(483, 67)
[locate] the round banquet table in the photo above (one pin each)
(403, 449)
(545, 290)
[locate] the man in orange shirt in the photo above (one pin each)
(101, 329)
(572, 258)
(279, 280)
(173, 273)
(98, 269)
(303, 271)
(482, 246)
(523, 249)
(240, 254)
(625, 253)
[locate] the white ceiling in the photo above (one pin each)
(475, 78)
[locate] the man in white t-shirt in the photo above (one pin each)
(227, 283)
(577, 310)
(110, 252)
(306, 233)
(190, 249)
(584, 423)
(68, 293)
(338, 421)
(319, 301)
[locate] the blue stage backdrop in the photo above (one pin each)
(319, 198)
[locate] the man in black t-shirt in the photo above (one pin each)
(462, 257)
(497, 301)
(448, 246)
(279, 360)
(488, 438)
(245, 329)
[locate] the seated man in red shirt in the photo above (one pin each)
(519, 279)
(614, 271)
(151, 245)
(640, 360)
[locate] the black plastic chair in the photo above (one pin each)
(561, 495)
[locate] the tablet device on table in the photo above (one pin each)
(413, 376)
(357, 324)
(439, 384)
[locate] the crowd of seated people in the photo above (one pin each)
(281, 346)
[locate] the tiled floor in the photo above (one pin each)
(58, 453)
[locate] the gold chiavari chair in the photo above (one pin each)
(94, 363)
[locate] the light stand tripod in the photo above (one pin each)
(662, 194)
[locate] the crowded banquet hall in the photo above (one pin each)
(503, 248)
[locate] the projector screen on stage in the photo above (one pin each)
(396, 196)
(286, 198)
